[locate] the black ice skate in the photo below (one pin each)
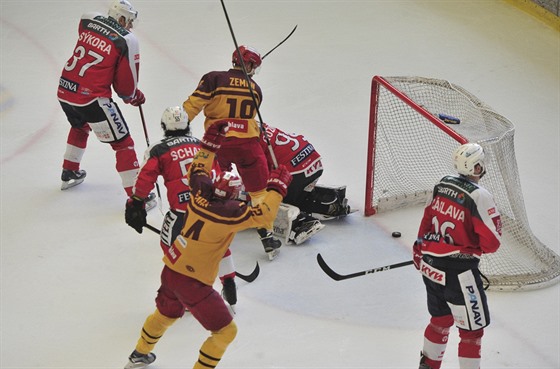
(304, 231)
(271, 244)
(137, 360)
(71, 178)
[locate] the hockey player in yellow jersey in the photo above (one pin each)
(227, 94)
(192, 261)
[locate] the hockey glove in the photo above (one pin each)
(135, 213)
(417, 254)
(136, 100)
(212, 139)
(279, 180)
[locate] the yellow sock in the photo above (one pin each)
(154, 327)
(214, 347)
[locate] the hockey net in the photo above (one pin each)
(410, 148)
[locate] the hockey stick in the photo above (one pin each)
(272, 155)
(339, 277)
(152, 228)
(250, 277)
(281, 42)
(148, 144)
(247, 278)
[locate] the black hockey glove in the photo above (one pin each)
(135, 213)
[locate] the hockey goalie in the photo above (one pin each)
(307, 203)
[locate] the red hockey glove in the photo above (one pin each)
(135, 213)
(417, 254)
(137, 100)
(213, 136)
(279, 180)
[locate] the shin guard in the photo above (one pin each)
(75, 147)
(153, 329)
(435, 340)
(126, 162)
(215, 346)
(469, 348)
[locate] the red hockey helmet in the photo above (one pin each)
(249, 55)
(227, 186)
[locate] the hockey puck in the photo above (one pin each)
(396, 234)
(449, 119)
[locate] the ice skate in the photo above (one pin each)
(71, 178)
(151, 201)
(305, 231)
(423, 365)
(137, 360)
(271, 245)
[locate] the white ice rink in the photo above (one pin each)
(77, 282)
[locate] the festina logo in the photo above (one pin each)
(68, 85)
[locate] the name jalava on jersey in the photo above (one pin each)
(448, 209)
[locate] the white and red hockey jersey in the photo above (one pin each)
(291, 150)
(460, 217)
(171, 158)
(105, 55)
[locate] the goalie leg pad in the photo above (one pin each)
(283, 223)
(327, 200)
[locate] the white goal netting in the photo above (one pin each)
(410, 149)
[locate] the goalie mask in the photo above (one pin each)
(122, 8)
(466, 157)
(227, 186)
(251, 58)
(175, 119)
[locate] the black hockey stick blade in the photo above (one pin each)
(339, 277)
(250, 277)
(281, 42)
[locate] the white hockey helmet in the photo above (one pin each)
(174, 119)
(122, 8)
(466, 157)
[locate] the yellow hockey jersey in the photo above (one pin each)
(210, 227)
(226, 94)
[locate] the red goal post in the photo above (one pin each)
(410, 144)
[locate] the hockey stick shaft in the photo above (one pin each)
(272, 155)
(339, 277)
(281, 42)
(247, 278)
(152, 228)
(148, 144)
